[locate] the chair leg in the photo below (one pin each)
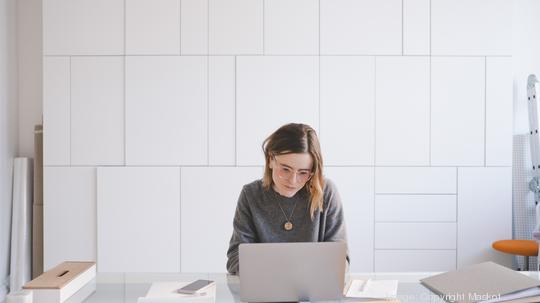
(526, 263)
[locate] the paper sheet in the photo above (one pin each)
(165, 292)
(530, 292)
(374, 289)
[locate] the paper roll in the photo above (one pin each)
(21, 296)
(21, 224)
(37, 212)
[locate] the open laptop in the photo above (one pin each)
(301, 271)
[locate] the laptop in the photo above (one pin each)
(284, 272)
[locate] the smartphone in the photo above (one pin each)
(195, 287)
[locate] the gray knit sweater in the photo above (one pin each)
(259, 219)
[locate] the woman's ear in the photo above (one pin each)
(270, 163)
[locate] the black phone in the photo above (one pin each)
(195, 287)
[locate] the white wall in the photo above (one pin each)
(8, 129)
(526, 59)
(159, 125)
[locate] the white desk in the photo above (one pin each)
(127, 287)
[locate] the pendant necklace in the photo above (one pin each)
(288, 224)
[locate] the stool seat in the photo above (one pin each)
(528, 248)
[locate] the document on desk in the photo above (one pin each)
(523, 296)
(484, 282)
(373, 289)
(166, 292)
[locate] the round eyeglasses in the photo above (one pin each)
(287, 173)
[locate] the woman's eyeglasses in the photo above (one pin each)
(287, 173)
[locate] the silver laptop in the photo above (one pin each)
(281, 272)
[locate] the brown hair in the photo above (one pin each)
(297, 138)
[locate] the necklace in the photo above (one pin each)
(288, 224)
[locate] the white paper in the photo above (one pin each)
(373, 289)
(529, 292)
(166, 292)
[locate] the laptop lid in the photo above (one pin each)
(301, 271)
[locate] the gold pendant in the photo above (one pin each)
(288, 226)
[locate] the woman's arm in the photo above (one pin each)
(334, 220)
(243, 232)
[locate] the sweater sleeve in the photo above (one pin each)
(334, 227)
(243, 232)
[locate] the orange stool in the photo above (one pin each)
(526, 248)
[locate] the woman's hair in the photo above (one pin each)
(295, 138)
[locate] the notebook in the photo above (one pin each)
(484, 282)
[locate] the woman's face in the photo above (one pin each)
(290, 172)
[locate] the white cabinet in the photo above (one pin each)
(69, 215)
(403, 109)
(499, 103)
(153, 27)
(415, 180)
(355, 187)
(221, 110)
(209, 197)
(457, 111)
(484, 214)
(412, 235)
(138, 219)
(236, 27)
(416, 27)
(415, 218)
(291, 27)
(415, 208)
(56, 111)
(347, 110)
(83, 27)
(480, 27)
(371, 27)
(194, 27)
(415, 260)
(166, 110)
(97, 111)
(273, 91)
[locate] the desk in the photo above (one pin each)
(127, 287)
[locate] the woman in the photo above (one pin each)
(293, 202)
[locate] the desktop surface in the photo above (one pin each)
(128, 287)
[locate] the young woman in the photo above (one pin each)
(293, 202)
